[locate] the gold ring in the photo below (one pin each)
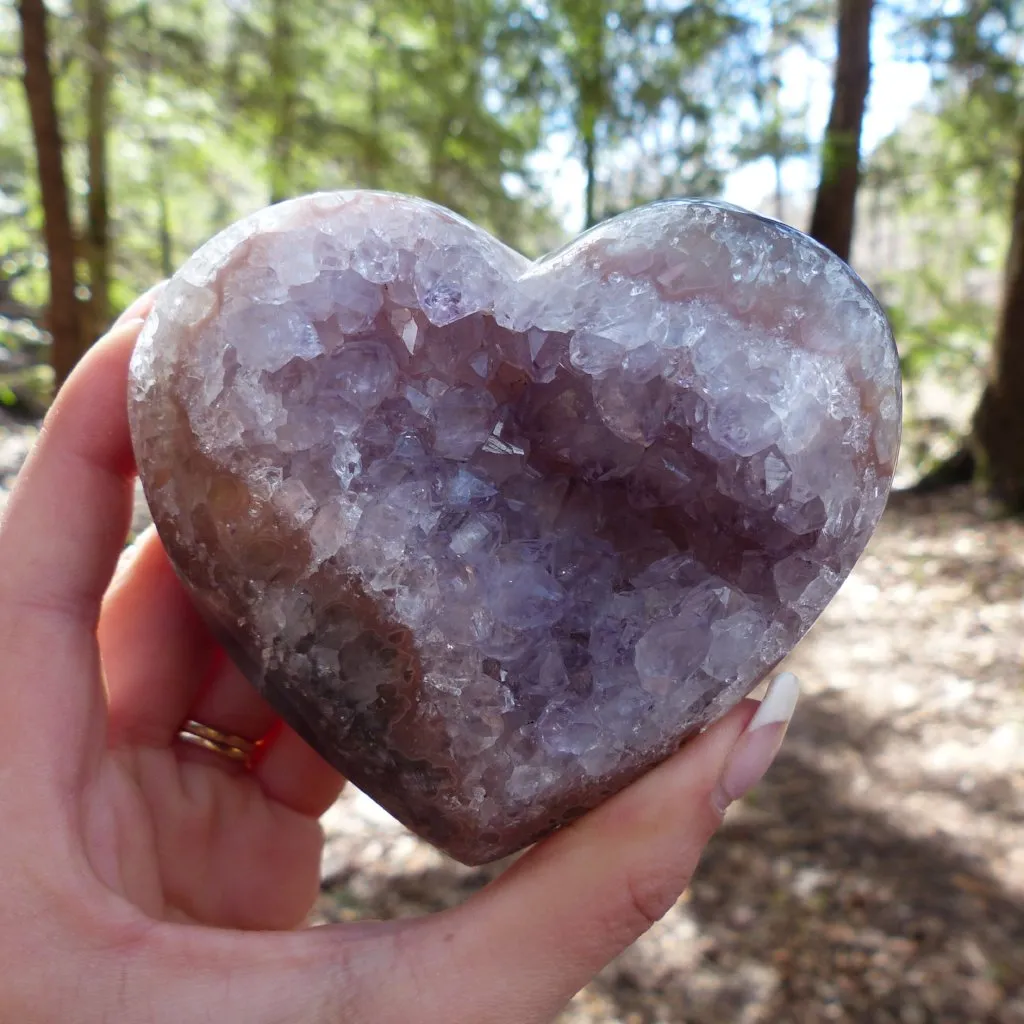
(235, 748)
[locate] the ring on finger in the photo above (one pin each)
(235, 748)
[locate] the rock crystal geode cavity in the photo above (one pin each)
(495, 535)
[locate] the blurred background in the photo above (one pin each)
(878, 875)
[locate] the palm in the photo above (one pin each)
(199, 845)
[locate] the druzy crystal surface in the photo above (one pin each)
(495, 535)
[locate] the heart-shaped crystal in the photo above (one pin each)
(494, 535)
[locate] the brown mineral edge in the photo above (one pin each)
(493, 536)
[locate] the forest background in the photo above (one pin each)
(132, 130)
(877, 874)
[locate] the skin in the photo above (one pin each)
(143, 880)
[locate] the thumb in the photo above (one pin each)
(520, 949)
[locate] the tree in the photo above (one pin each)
(976, 59)
(835, 202)
(475, 140)
(174, 144)
(97, 31)
(777, 131)
(638, 86)
(587, 61)
(64, 312)
(411, 97)
(283, 75)
(999, 420)
(985, 48)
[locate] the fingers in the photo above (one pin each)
(68, 514)
(517, 952)
(231, 704)
(537, 935)
(760, 742)
(64, 527)
(163, 666)
(156, 650)
(286, 768)
(162, 663)
(292, 773)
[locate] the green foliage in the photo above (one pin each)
(938, 334)
(947, 210)
(776, 131)
(640, 87)
(217, 108)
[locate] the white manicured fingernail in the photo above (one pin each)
(779, 702)
(756, 748)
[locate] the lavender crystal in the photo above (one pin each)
(495, 535)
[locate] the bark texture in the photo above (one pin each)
(283, 74)
(999, 420)
(833, 217)
(98, 228)
(64, 319)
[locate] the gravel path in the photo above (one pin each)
(878, 873)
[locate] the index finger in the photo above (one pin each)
(63, 529)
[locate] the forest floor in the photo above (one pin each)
(877, 875)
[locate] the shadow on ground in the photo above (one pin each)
(809, 906)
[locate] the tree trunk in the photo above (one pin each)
(437, 140)
(590, 171)
(96, 35)
(282, 73)
(375, 148)
(64, 314)
(832, 220)
(159, 152)
(999, 419)
(590, 78)
(780, 191)
(163, 211)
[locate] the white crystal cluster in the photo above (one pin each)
(496, 534)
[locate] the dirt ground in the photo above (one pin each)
(877, 875)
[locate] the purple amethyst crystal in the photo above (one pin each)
(494, 535)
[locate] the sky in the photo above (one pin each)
(896, 87)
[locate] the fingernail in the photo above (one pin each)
(131, 324)
(756, 748)
(142, 303)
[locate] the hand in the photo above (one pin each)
(142, 879)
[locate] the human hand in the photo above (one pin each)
(142, 879)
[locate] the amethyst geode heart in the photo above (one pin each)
(494, 535)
